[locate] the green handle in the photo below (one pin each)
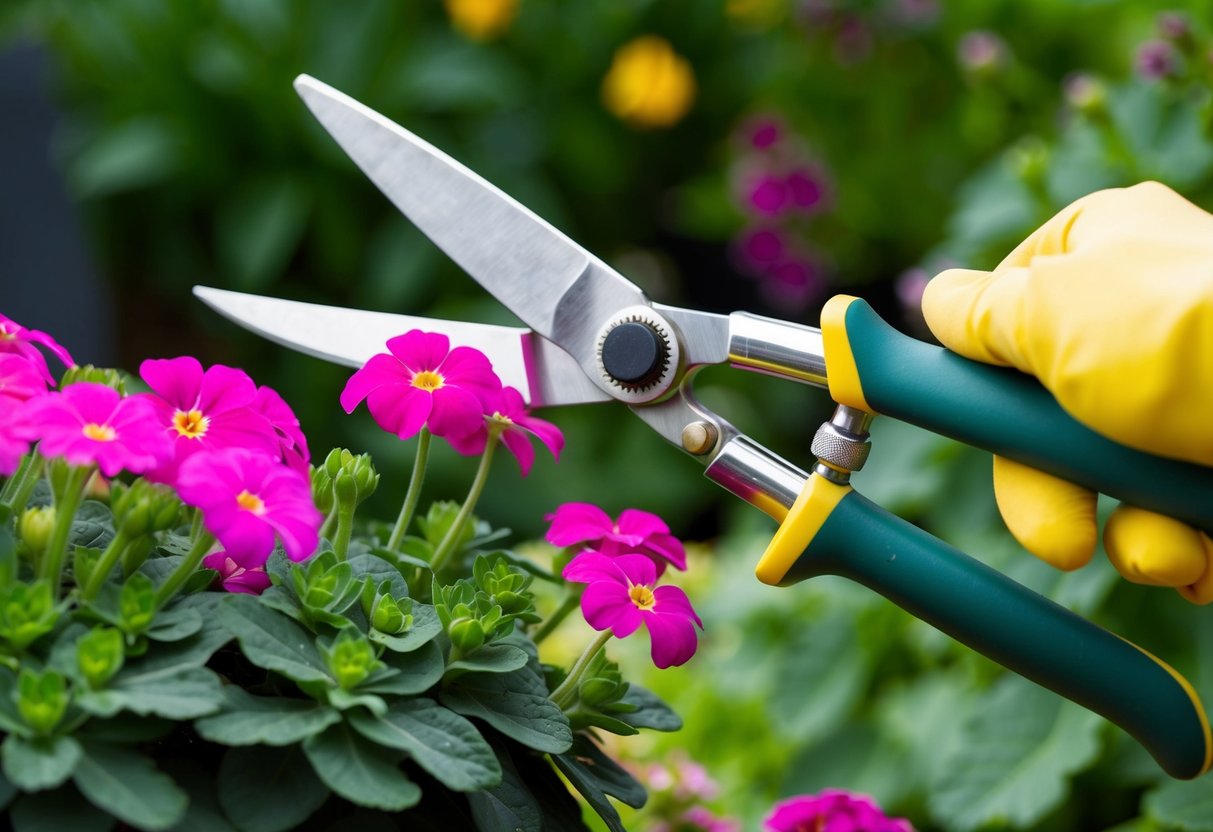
(1010, 414)
(1015, 627)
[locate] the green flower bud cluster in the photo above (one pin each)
(96, 375)
(485, 607)
(42, 699)
(326, 588)
(136, 605)
(351, 478)
(99, 655)
(600, 698)
(438, 521)
(350, 658)
(27, 612)
(386, 613)
(507, 586)
(35, 528)
(144, 507)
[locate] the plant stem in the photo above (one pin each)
(185, 569)
(51, 565)
(571, 600)
(105, 563)
(196, 524)
(450, 541)
(14, 482)
(563, 695)
(26, 487)
(345, 526)
(414, 493)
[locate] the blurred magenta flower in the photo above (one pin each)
(247, 498)
(1174, 25)
(292, 444)
(236, 576)
(15, 338)
(793, 282)
(702, 819)
(910, 285)
(635, 531)
(832, 810)
(1157, 59)
(424, 383)
(806, 188)
(204, 410)
(89, 423)
(509, 415)
(767, 194)
(620, 595)
(981, 52)
(763, 132)
(20, 379)
(759, 248)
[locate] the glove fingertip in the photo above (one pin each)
(1050, 517)
(1155, 550)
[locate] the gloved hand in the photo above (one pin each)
(1110, 305)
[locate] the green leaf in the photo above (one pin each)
(379, 570)
(58, 811)
(284, 600)
(272, 641)
(92, 526)
(125, 728)
(1019, 750)
(264, 789)
(509, 804)
(417, 671)
(442, 742)
(650, 711)
(583, 777)
(511, 704)
(133, 154)
(264, 720)
(127, 785)
(203, 814)
(7, 789)
(491, 658)
(360, 771)
(259, 227)
(425, 627)
(41, 763)
(586, 763)
(175, 624)
(1184, 804)
(175, 693)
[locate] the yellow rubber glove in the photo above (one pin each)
(1110, 305)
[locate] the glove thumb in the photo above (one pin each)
(1052, 518)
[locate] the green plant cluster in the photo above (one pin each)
(358, 686)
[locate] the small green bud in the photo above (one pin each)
(137, 604)
(335, 461)
(27, 612)
(1030, 160)
(597, 691)
(321, 591)
(1086, 94)
(466, 633)
(322, 490)
(96, 375)
(35, 527)
(351, 659)
(144, 507)
(391, 616)
(42, 699)
(99, 655)
(345, 489)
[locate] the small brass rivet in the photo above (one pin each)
(699, 437)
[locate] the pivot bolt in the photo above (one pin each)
(633, 354)
(699, 437)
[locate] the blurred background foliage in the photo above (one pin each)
(724, 154)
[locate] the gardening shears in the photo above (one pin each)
(593, 336)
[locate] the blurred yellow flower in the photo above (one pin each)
(760, 14)
(649, 84)
(481, 19)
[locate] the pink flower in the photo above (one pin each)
(767, 194)
(620, 596)
(1157, 59)
(235, 576)
(634, 531)
(20, 378)
(247, 498)
(759, 248)
(292, 444)
(699, 818)
(15, 338)
(423, 382)
(806, 187)
(832, 810)
(208, 410)
(509, 414)
(89, 423)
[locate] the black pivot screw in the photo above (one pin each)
(633, 354)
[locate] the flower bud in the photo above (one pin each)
(1030, 160)
(391, 616)
(144, 507)
(322, 489)
(354, 477)
(599, 691)
(97, 375)
(27, 612)
(35, 527)
(42, 699)
(1085, 93)
(321, 590)
(351, 659)
(466, 634)
(334, 462)
(137, 604)
(99, 655)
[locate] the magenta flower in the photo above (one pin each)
(423, 382)
(704, 820)
(15, 338)
(509, 414)
(832, 810)
(20, 379)
(763, 133)
(204, 411)
(89, 423)
(621, 595)
(981, 52)
(1157, 59)
(806, 188)
(634, 531)
(292, 444)
(759, 248)
(12, 445)
(767, 194)
(247, 498)
(235, 576)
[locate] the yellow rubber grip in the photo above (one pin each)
(817, 500)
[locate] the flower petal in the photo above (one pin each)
(550, 435)
(639, 569)
(378, 371)
(606, 605)
(419, 350)
(590, 567)
(224, 388)
(517, 443)
(456, 412)
(671, 600)
(633, 521)
(673, 639)
(577, 523)
(176, 380)
(400, 410)
(668, 547)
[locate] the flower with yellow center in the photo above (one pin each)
(649, 84)
(642, 597)
(481, 19)
(250, 502)
(191, 423)
(99, 433)
(428, 380)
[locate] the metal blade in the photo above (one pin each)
(554, 285)
(545, 374)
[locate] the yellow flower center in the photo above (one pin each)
(250, 502)
(642, 597)
(427, 380)
(191, 423)
(501, 419)
(100, 433)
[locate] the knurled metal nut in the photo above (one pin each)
(839, 449)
